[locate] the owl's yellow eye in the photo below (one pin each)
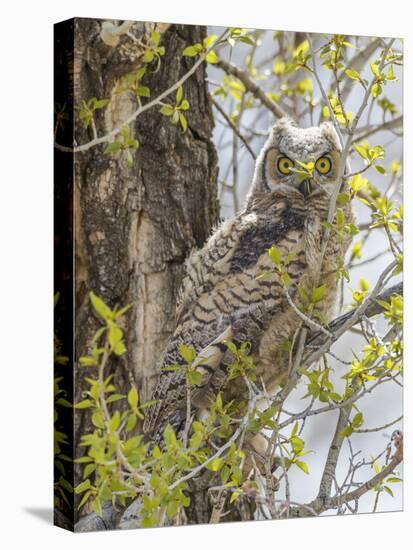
(284, 165)
(323, 165)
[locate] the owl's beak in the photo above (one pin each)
(306, 187)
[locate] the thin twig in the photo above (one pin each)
(252, 87)
(107, 137)
(233, 127)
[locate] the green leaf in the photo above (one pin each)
(352, 74)
(179, 94)
(362, 150)
(64, 403)
(184, 106)
(155, 38)
(133, 397)
(82, 486)
(275, 255)
(196, 440)
(89, 469)
(183, 122)
(211, 57)
(143, 91)
(85, 404)
(148, 56)
(376, 89)
(172, 509)
(194, 377)
(375, 70)
(97, 506)
(167, 110)
(100, 103)
(87, 361)
(247, 40)
(188, 353)
(82, 459)
(297, 444)
(209, 40)
(393, 480)
(84, 499)
(114, 422)
(343, 198)
(302, 49)
(380, 169)
(131, 423)
(65, 484)
(114, 397)
(113, 147)
(318, 294)
(234, 496)
(169, 436)
(216, 464)
(115, 339)
(100, 307)
(357, 420)
(129, 162)
(286, 279)
(97, 419)
(119, 312)
(303, 466)
(132, 443)
(346, 432)
(192, 51)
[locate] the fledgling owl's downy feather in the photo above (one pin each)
(222, 296)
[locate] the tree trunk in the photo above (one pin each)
(135, 226)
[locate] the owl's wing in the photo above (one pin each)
(230, 284)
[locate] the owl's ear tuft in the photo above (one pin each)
(329, 132)
(280, 128)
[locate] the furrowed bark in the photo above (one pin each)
(135, 226)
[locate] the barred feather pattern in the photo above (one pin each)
(222, 292)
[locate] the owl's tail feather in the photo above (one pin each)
(210, 357)
(208, 362)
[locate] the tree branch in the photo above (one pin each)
(389, 125)
(356, 64)
(252, 87)
(233, 127)
(338, 500)
(326, 482)
(373, 308)
(142, 108)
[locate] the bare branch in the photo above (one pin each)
(372, 308)
(321, 505)
(389, 125)
(252, 87)
(327, 477)
(380, 428)
(233, 127)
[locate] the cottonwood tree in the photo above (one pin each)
(145, 193)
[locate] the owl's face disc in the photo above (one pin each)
(306, 159)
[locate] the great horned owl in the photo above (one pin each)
(223, 297)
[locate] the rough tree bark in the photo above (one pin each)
(135, 226)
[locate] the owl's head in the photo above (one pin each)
(286, 147)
